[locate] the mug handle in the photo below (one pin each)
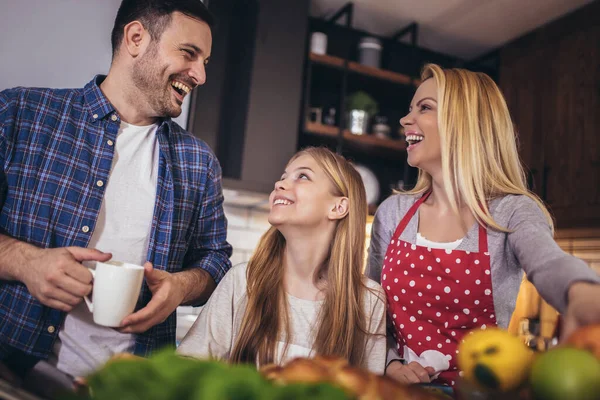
(87, 299)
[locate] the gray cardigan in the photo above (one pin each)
(529, 247)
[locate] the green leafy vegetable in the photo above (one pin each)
(167, 376)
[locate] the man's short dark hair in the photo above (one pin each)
(155, 16)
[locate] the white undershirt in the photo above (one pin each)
(123, 229)
(424, 242)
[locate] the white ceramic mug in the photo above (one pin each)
(116, 289)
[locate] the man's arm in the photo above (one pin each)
(207, 259)
(14, 254)
(169, 291)
(53, 276)
(196, 284)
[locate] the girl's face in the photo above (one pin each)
(421, 128)
(303, 196)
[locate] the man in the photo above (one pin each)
(103, 172)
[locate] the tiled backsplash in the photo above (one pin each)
(245, 226)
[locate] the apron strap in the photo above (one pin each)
(483, 242)
(407, 217)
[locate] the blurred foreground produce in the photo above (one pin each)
(167, 376)
(494, 359)
(497, 366)
(357, 383)
(586, 338)
(566, 373)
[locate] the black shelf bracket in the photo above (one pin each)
(412, 29)
(347, 10)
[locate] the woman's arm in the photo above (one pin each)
(392, 353)
(211, 335)
(376, 344)
(548, 267)
(381, 235)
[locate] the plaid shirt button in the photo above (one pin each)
(110, 142)
(85, 229)
(100, 183)
(51, 329)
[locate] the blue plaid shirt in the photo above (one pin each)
(54, 146)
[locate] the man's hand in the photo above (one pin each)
(409, 373)
(167, 295)
(583, 308)
(56, 277)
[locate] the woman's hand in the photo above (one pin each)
(583, 308)
(409, 373)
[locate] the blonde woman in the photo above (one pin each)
(450, 254)
(303, 293)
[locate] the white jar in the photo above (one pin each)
(318, 43)
(369, 52)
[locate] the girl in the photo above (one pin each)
(303, 292)
(450, 253)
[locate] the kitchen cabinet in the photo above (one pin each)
(551, 80)
(248, 110)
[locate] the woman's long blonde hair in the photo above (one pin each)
(480, 160)
(341, 329)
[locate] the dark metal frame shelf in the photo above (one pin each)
(344, 139)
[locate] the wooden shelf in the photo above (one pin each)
(361, 140)
(374, 141)
(379, 73)
(363, 69)
(321, 129)
(327, 60)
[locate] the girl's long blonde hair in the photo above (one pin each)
(480, 160)
(341, 329)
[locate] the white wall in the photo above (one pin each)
(57, 43)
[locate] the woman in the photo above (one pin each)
(303, 292)
(450, 253)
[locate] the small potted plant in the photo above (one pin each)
(360, 106)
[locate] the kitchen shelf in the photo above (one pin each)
(374, 141)
(326, 59)
(321, 129)
(359, 140)
(355, 67)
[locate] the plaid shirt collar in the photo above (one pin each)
(100, 107)
(95, 99)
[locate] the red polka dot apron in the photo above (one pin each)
(435, 297)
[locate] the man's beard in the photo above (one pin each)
(148, 79)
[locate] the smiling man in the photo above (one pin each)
(100, 172)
